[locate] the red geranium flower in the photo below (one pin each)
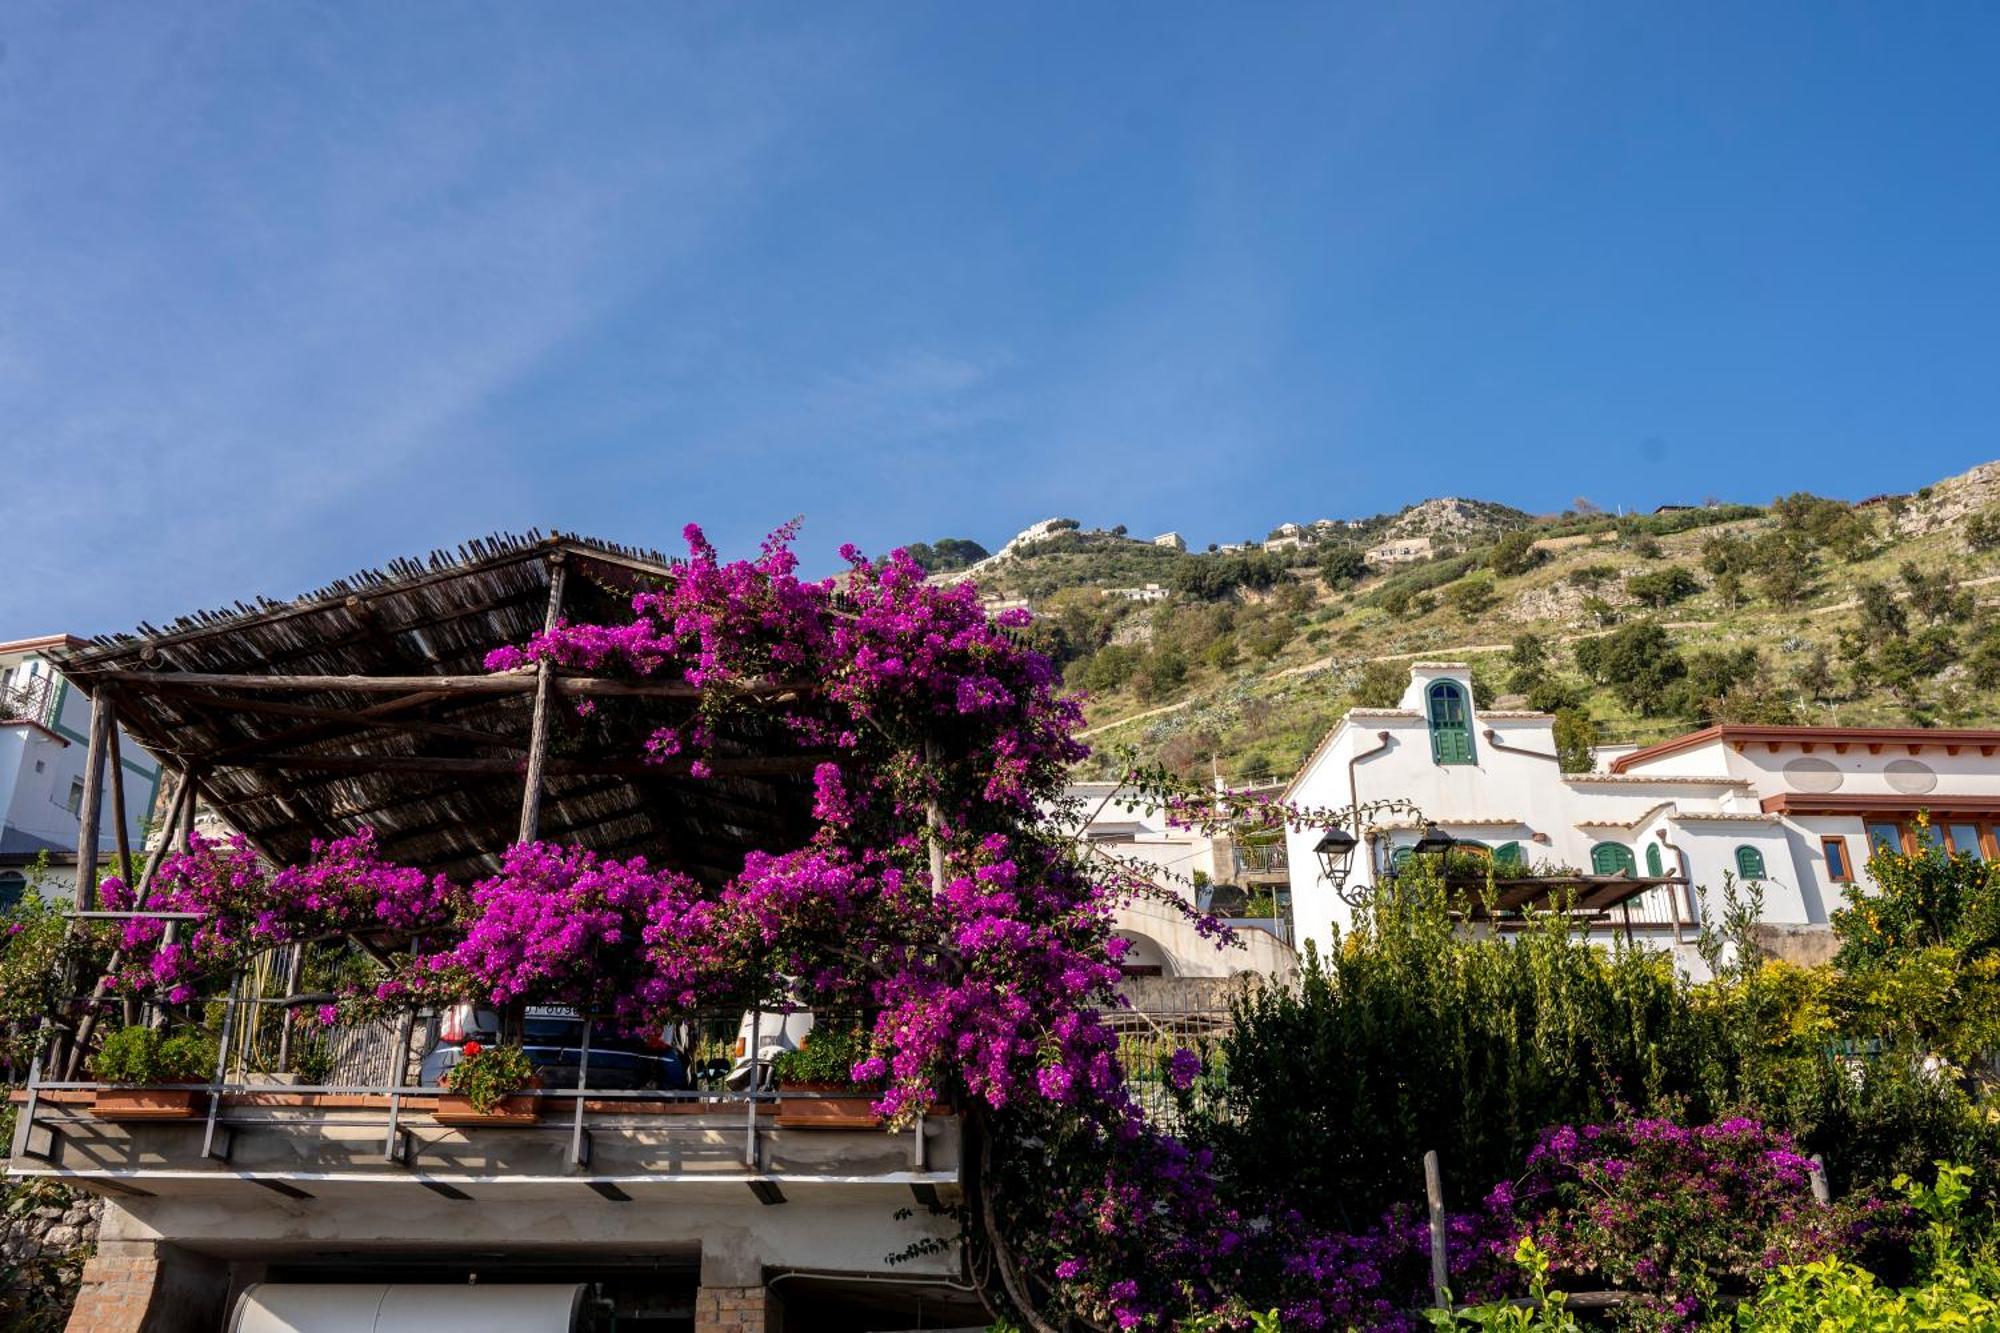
(472, 1048)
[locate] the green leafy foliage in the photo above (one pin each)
(1663, 587)
(946, 554)
(827, 1055)
(145, 1056)
(487, 1075)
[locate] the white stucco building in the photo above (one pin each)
(1795, 809)
(1177, 860)
(44, 732)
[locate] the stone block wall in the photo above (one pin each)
(735, 1310)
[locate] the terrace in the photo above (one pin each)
(367, 704)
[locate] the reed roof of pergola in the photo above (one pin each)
(1577, 894)
(367, 703)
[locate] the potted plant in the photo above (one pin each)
(484, 1087)
(138, 1060)
(816, 1087)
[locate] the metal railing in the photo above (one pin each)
(32, 701)
(1267, 858)
(380, 1062)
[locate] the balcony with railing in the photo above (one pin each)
(31, 700)
(294, 1108)
(1262, 863)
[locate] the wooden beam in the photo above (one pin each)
(500, 682)
(342, 723)
(538, 728)
(742, 766)
(87, 819)
(495, 683)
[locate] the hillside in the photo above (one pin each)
(1631, 629)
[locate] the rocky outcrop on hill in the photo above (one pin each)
(1452, 518)
(1948, 503)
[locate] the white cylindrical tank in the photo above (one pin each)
(427, 1307)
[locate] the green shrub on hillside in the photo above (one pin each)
(1663, 587)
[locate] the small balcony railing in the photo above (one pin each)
(33, 701)
(1262, 860)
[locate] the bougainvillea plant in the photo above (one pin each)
(942, 890)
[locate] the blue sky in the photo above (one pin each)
(286, 290)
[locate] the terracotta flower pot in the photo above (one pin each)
(146, 1104)
(826, 1106)
(453, 1109)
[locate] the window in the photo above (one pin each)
(1837, 868)
(1965, 840)
(1400, 859)
(1608, 858)
(75, 802)
(1509, 854)
(1653, 864)
(1884, 837)
(13, 887)
(1451, 725)
(1750, 863)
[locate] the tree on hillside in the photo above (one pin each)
(1380, 684)
(1343, 568)
(1639, 663)
(1575, 734)
(1471, 596)
(1936, 595)
(1827, 524)
(1514, 554)
(946, 553)
(1784, 564)
(1663, 587)
(1528, 657)
(1728, 553)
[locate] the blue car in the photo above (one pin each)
(553, 1041)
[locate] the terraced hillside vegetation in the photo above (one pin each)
(1628, 629)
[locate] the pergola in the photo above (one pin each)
(366, 703)
(1576, 895)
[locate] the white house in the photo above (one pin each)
(44, 733)
(1177, 860)
(1401, 551)
(1794, 809)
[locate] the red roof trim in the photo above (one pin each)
(1730, 733)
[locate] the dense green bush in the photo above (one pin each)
(143, 1055)
(1414, 1036)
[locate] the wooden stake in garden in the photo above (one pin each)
(1434, 1195)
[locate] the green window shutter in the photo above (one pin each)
(1508, 854)
(1653, 863)
(1399, 859)
(1609, 858)
(1749, 863)
(1451, 725)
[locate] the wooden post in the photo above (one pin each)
(538, 736)
(117, 763)
(101, 720)
(1434, 1195)
(180, 837)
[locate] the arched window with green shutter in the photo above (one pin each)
(1749, 863)
(1451, 723)
(1399, 859)
(1509, 854)
(1654, 866)
(1609, 858)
